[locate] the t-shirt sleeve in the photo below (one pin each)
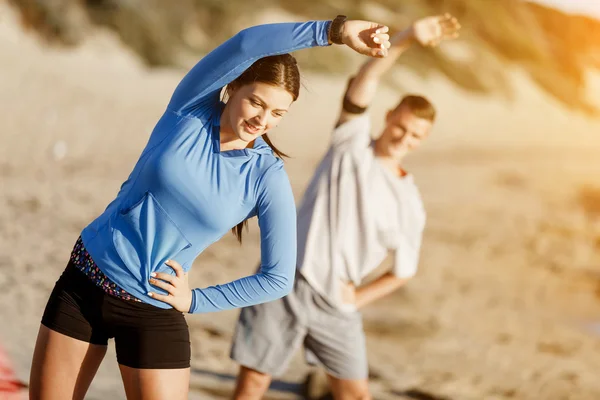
(406, 259)
(351, 134)
(408, 249)
(276, 212)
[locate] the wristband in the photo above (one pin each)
(335, 29)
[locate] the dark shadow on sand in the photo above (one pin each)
(418, 394)
(277, 385)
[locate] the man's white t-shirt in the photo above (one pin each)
(354, 211)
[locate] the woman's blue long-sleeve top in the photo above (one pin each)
(184, 193)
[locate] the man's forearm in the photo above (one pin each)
(364, 85)
(376, 68)
(377, 289)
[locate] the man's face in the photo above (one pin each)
(403, 133)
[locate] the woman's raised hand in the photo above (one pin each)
(364, 37)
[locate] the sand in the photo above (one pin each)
(508, 291)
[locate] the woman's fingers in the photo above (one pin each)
(161, 297)
(176, 267)
(179, 295)
(163, 285)
(380, 38)
(382, 29)
(164, 277)
(378, 52)
(380, 44)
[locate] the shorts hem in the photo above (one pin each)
(344, 377)
(156, 365)
(72, 334)
(256, 367)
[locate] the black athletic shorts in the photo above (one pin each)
(145, 336)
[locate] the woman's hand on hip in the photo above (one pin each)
(364, 37)
(180, 295)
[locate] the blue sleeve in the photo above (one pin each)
(275, 278)
(230, 59)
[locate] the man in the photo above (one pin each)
(360, 204)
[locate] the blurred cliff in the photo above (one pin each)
(555, 49)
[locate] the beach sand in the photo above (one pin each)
(509, 281)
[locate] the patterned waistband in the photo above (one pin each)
(83, 261)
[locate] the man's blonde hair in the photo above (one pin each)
(419, 106)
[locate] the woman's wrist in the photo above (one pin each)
(336, 29)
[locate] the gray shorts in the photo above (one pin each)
(267, 335)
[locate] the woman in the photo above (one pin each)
(207, 167)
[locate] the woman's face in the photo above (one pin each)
(254, 109)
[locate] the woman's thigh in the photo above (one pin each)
(155, 384)
(71, 341)
(153, 349)
(148, 337)
(62, 367)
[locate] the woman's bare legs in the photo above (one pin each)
(155, 384)
(62, 367)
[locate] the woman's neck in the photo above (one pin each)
(227, 138)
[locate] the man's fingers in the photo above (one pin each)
(450, 28)
(176, 267)
(450, 24)
(450, 35)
